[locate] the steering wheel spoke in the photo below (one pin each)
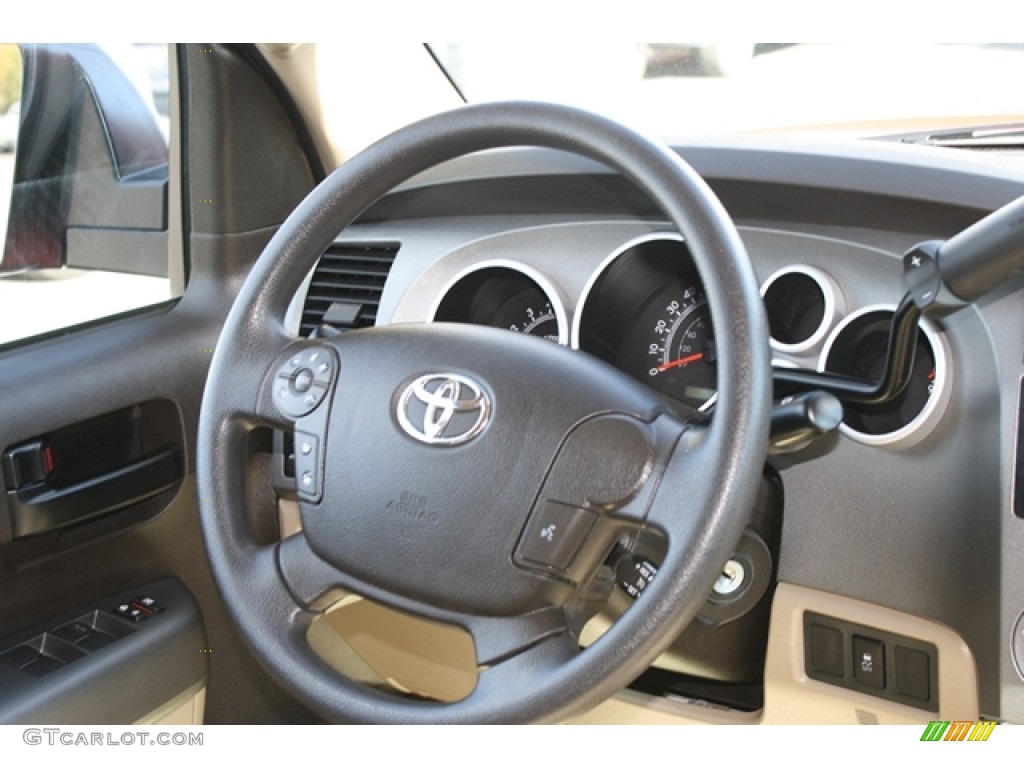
(685, 483)
(498, 639)
(313, 583)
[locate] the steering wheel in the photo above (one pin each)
(474, 476)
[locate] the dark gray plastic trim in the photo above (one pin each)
(120, 683)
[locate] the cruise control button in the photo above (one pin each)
(554, 534)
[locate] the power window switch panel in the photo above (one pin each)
(869, 661)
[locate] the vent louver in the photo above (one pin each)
(347, 285)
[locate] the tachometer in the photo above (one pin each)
(528, 313)
(504, 295)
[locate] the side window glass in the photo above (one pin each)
(84, 174)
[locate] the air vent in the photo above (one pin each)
(347, 286)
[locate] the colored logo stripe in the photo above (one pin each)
(982, 731)
(958, 730)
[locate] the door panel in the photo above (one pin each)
(131, 387)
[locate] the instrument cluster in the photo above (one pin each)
(644, 310)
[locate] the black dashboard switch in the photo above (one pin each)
(827, 650)
(554, 534)
(913, 673)
(869, 661)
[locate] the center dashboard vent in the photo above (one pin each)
(347, 285)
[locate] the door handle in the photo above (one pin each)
(41, 507)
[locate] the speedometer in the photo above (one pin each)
(672, 346)
(681, 350)
(646, 313)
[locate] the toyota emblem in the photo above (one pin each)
(443, 409)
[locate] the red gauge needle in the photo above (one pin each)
(681, 361)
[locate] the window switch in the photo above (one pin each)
(73, 633)
(43, 665)
(20, 656)
(95, 641)
(868, 661)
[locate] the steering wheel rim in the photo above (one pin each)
(272, 592)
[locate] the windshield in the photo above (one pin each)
(685, 88)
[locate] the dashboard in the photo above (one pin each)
(908, 507)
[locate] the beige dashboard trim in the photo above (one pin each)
(793, 698)
(187, 708)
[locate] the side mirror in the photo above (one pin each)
(91, 169)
